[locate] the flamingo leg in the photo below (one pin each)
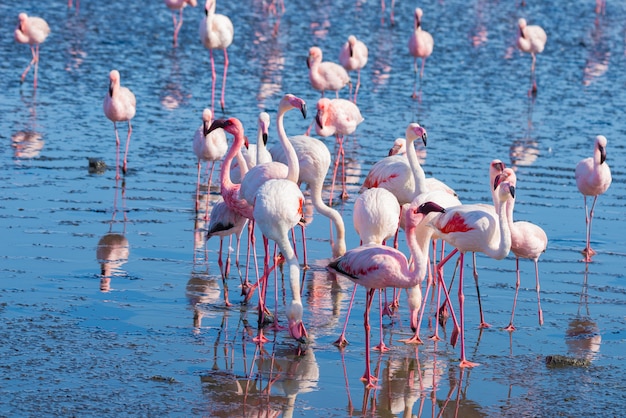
(32, 61)
(367, 376)
(213, 78)
(538, 288)
(341, 341)
(381, 346)
(198, 186)
(117, 152)
(443, 288)
(511, 327)
(588, 252)
(483, 324)
(130, 131)
(222, 102)
(464, 361)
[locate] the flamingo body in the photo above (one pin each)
(531, 40)
(353, 57)
(178, 6)
(325, 75)
(421, 45)
(32, 31)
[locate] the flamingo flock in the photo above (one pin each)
(396, 194)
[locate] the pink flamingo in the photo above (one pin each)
(314, 159)
(179, 5)
(32, 31)
(277, 209)
(401, 177)
(353, 57)
(474, 228)
(225, 223)
(119, 105)
(376, 216)
(600, 7)
(420, 46)
(69, 4)
(216, 32)
(382, 7)
(527, 241)
(593, 178)
(208, 147)
(531, 39)
(337, 117)
(376, 266)
(325, 75)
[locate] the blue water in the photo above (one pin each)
(71, 348)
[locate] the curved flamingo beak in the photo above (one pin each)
(318, 121)
(303, 110)
(602, 154)
(217, 123)
(297, 331)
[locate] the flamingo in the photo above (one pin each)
(376, 216)
(531, 39)
(208, 147)
(375, 266)
(402, 178)
(32, 31)
(325, 75)
(179, 5)
(314, 159)
(119, 106)
(225, 223)
(216, 32)
(593, 178)
(420, 46)
(474, 228)
(353, 57)
(337, 117)
(527, 241)
(277, 209)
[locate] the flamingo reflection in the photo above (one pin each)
(113, 247)
(201, 291)
(582, 336)
(597, 63)
(27, 144)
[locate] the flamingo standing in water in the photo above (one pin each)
(420, 46)
(119, 106)
(216, 32)
(531, 39)
(32, 31)
(376, 216)
(208, 147)
(527, 241)
(474, 228)
(325, 75)
(593, 178)
(178, 5)
(376, 266)
(353, 57)
(337, 117)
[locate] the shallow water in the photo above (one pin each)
(75, 344)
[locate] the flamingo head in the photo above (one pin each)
(296, 327)
(399, 147)
(351, 44)
(264, 126)
(207, 118)
(315, 55)
(601, 145)
(323, 105)
(414, 131)
(428, 207)
(209, 7)
(114, 79)
(506, 181)
(289, 101)
(418, 17)
(522, 25)
(231, 125)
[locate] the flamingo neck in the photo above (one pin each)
(293, 165)
(225, 180)
(419, 252)
(418, 172)
(339, 246)
(504, 243)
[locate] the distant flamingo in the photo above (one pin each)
(600, 7)
(325, 75)
(277, 209)
(179, 5)
(337, 117)
(32, 31)
(420, 46)
(527, 241)
(216, 32)
(532, 40)
(353, 57)
(474, 228)
(593, 178)
(376, 266)
(224, 222)
(208, 147)
(69, 4)
(314, 159)
(382, 7)
(254, 153)
(376, 215)
(119, 106)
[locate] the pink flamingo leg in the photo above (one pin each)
(177, 25)
(511, 327)
(358, 84)
(381, 346)
(213, 78)
(341, 341)
(125, 166)
(222, 103)
(30, 64)
(442, 287)
(117, 152)
(538, 288)
(464, 361)
(367, 376)
(36, 58)
(588, 252)
(483, 324)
